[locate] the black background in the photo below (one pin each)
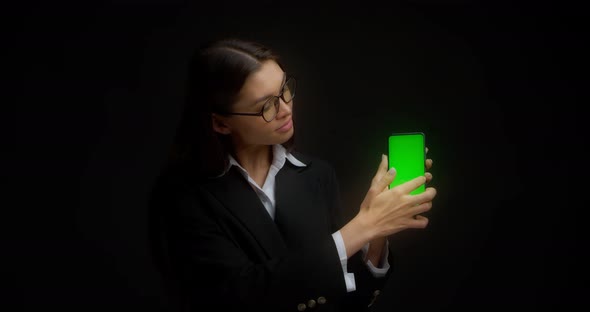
(496, 87)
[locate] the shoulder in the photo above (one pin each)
(315, 165)
(182, 196)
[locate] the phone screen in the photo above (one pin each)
(407, 156)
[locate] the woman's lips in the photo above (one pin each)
(286, 127)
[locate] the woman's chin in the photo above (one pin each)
(286, 136)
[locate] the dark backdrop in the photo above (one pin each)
(497, 88)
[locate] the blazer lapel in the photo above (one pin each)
(299, 205)
(236, 194)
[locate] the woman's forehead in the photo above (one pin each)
(265, 82)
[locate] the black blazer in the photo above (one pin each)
(223, 249)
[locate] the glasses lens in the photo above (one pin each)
(289, 90)
(270, 109)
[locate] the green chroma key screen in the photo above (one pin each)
(407, 155)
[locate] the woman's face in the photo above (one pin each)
(254, 130)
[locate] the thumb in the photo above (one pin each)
(381, 171)
(387, 178)
(380, 182)
(379, 186)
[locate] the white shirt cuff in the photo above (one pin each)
(378, 272)
(348, 277)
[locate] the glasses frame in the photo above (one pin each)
(271, 98)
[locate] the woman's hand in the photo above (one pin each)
(388, 211)
(382, 170)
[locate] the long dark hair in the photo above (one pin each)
(217, 72)
(216, 75)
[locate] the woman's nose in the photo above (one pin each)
(284, 108)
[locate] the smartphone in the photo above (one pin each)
(407, 154)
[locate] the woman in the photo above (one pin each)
(252, 223)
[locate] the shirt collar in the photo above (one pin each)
(280, 155)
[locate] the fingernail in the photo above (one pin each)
(391, 170)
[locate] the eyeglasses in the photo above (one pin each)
(270, 109)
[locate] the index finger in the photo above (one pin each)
(411, 185)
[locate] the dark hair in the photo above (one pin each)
(216, 75)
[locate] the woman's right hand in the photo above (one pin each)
(388, 211)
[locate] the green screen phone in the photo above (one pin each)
(407, 154)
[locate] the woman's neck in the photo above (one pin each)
(256, 159)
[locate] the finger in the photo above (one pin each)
(411, 185)
(381, 170)
(380, 181)
(418, 222)
(422, 208)
(378, 187)
(426, 196)
(428, 163)
(428, 176)
(385, 181)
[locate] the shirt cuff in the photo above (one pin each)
(378, 272)
(348, 277)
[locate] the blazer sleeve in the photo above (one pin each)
(368, 287)
(214, 270)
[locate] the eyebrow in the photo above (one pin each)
(264, 98)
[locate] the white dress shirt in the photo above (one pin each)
(266, 193)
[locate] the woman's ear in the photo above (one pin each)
(219, 124)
